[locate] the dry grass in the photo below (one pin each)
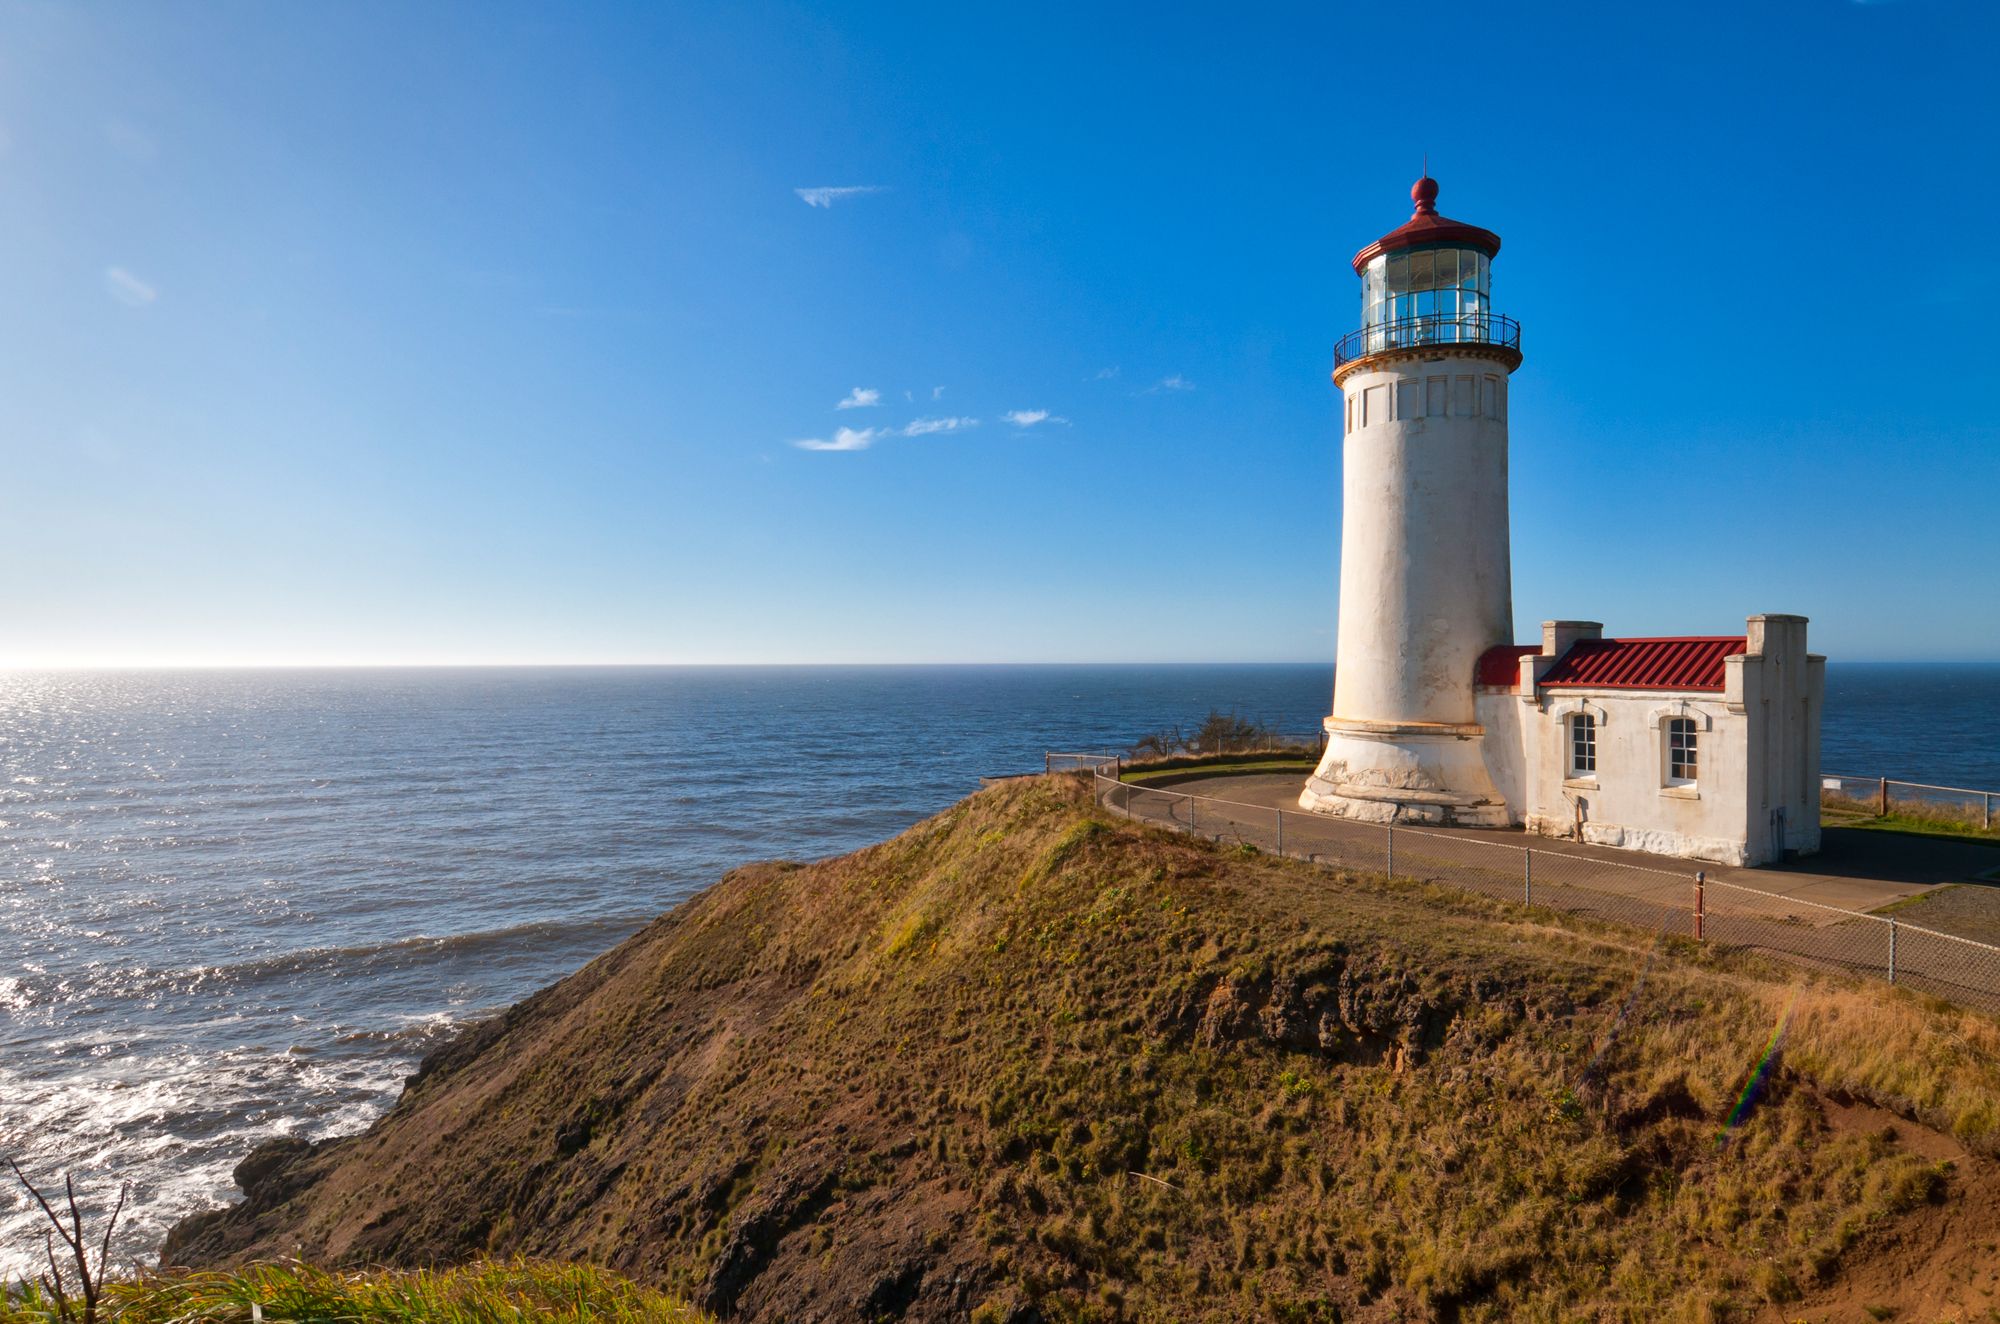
(1282, 755)
(510, 1293)
(1249, 763)
(922, 1078)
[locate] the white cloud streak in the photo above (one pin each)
(826, 197)
(127, 288)
(861, 397)
(1174, 383)
(1027, 418)
(924, 427)
(846, 439)
(860, 439)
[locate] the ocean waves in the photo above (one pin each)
(236, 906)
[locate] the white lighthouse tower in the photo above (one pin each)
(1424, 575)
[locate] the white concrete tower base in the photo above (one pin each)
(1404, 773)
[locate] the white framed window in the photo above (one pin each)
(1583, 745)
(1683, 751)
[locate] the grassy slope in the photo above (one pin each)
(476, 1294)
(917, 1080)
(1960, 822)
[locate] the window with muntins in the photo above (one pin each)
(1582, 745)
(1682, 751)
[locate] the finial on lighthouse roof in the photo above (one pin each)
(1425, 194)
(1426, 228)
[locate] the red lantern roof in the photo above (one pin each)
(1425, 226)
(1646, 664)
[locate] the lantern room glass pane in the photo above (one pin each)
(1431, 295)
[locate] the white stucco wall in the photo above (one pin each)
(1424, 561)
(1780, 689)
(1626, 801)
(1425, 586)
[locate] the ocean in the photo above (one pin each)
(242, 905)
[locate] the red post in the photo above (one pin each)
(1700, 904)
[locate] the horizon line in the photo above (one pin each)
(22, 668)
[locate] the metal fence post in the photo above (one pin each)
(1281, 830)
(1700, 901)
(1527, 876)
(1392, 850)
(1048, 763)
(1986, 816)
(1190, 801)
(1892, 951)
(1882, 800)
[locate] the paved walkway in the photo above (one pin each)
(1813, 911)
(1856, 869)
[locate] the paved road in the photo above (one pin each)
(1803, 912)
(1855, 869)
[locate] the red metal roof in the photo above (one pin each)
(1425, 226)
(1645, 664)
(1500, 665)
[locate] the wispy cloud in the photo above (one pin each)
(937, 392)
(846, 439)
(860, 439)
(127, 288)
(1027, 418)
(861, 397)
(1105, 374)
(924, 427)
(1174, 383)
(826, 197)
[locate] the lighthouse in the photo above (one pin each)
(1703, 746)
(1424, 575)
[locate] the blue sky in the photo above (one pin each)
(484, 333)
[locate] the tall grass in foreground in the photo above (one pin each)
(503, 1293)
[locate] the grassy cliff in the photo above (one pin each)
(1025, 1062)
(509, 1293)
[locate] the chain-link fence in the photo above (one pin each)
(1681, 902)
(1882, 796)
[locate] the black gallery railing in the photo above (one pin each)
(1429, 329)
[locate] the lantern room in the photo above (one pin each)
(1428, 282)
